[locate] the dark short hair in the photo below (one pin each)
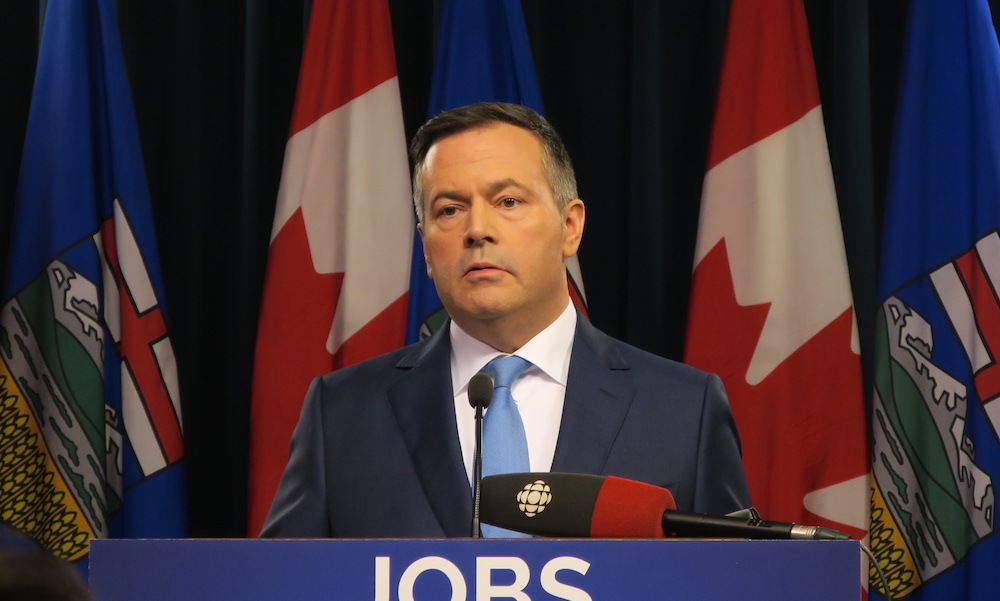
(555, 159)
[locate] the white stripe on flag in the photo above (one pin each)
(133, 267)
(839, 502)
(775, 201)
(988, 250)
(356, 221)
(957, 305)
(167, 364)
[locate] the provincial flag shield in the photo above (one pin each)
(771, 310)
(90, 416)
(936, 412)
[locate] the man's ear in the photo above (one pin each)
(574, 216)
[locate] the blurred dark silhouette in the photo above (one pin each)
(30, 573)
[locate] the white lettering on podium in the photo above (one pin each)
(563, 591)
(382, 579)
(485, 589)
(424, 564)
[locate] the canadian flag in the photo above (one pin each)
(771, 308)
(338, 265)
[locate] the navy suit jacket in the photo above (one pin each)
(376, 451)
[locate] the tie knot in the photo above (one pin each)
(506, 369)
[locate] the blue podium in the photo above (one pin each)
(474, 570)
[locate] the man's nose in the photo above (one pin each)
(479, 226)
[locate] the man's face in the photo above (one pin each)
(493, 237)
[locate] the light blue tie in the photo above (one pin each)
(505, 447)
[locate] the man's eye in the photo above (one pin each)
(509, 202)
(448, 211)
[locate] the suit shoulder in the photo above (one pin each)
(378, 371)
(644, 362)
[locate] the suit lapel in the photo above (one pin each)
(423, 401)
(598, 396)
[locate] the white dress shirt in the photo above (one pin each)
(539, 392)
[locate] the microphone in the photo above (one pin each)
(480, 395)
(579, 505)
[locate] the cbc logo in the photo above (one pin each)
(483, 585)
(533, 498)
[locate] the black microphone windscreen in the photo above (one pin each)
(480, 390)
(575, 505)
(541, 503)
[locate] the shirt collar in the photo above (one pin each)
(549, 351)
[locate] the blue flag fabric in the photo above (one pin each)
(936, 407)
(482, 55)
(90, 418)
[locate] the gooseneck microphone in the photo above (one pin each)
(579, 505)
(480, 395)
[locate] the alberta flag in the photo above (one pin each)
(936, 406)
(90, 419)
(482, 55)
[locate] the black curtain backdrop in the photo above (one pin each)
(629, 84)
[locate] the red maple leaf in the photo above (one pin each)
(803, 426)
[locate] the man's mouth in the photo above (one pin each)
(481, 266)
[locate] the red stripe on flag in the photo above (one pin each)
(139, 332)
(296, 312)
(987, 311)
(768, 77)
(347, 52)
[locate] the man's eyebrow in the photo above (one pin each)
(452, 195)
(504, 184)
(494, 188)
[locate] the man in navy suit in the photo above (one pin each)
(384, 448)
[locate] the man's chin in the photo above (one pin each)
(487, 313)
(484, 310)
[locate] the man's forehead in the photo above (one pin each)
(488, 138)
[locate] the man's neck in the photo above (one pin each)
(507, 334)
